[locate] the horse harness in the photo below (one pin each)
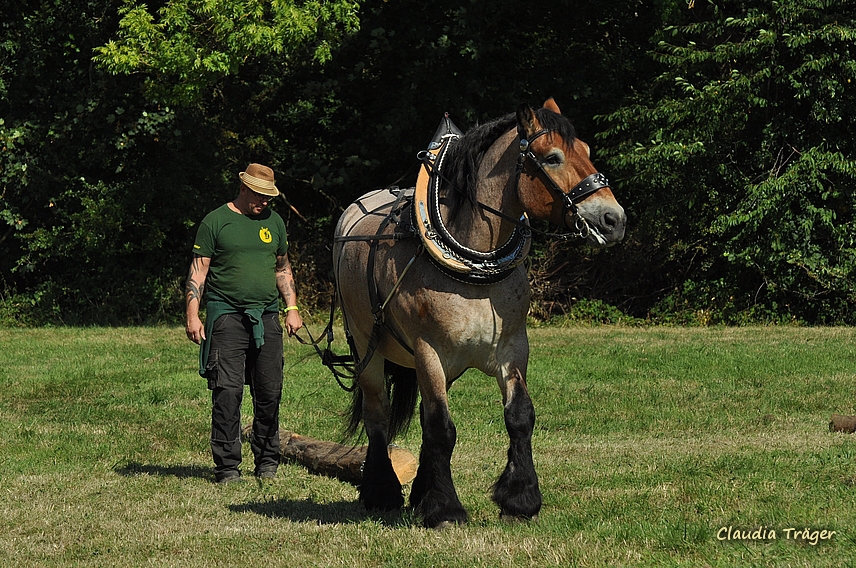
(352, 364)
(453, 258)
(416, 212)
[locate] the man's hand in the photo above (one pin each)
(195, 329)
(293, 322)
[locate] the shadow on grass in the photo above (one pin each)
(179, 471)
(339, 512)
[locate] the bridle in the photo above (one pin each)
(591, 184)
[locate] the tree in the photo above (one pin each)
(79, 213)
(732, 148)
(105, 173)
(187, 47)
(741, 157)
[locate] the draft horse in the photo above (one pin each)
(431, 282)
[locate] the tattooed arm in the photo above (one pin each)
(288, 291)
(193, 296)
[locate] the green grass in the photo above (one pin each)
(648, 441)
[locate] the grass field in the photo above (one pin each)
(654, 447)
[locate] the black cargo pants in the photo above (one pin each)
(234, 361)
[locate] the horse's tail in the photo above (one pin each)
(403, 392)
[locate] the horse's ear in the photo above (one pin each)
(550, 104)
(527, 124)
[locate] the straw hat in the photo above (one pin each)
(259, 178)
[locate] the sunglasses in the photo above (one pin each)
(260, 197)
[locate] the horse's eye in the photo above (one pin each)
(553, 160)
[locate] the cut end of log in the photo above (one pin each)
(404, 463)
(841, 423)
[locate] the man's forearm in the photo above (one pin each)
(285, 281)
(195, 285)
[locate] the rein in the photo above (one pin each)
(331, 360)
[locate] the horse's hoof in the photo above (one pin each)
(514, 519)
(446, 524)
(382, 501)
(440, 521)
(383, 506)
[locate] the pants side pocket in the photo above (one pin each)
(212, 369)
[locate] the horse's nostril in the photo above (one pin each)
(610, 220)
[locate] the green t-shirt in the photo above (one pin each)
(243, 251)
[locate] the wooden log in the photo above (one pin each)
(841, 423)
(338, 460)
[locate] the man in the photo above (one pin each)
(240, 260)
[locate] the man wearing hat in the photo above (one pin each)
(240, 260)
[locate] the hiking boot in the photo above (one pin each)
(266, 472)
(228, 477)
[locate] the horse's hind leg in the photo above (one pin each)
(379, 488)
(516, 491)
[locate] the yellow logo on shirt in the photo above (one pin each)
(264, 235)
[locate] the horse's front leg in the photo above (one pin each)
(516, 491)
(433, 495)
(379, 488)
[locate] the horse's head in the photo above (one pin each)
(559, 183)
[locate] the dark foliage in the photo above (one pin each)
(726, 128)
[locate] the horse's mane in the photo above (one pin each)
(465, 156)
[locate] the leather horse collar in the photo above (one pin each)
(452, 257)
